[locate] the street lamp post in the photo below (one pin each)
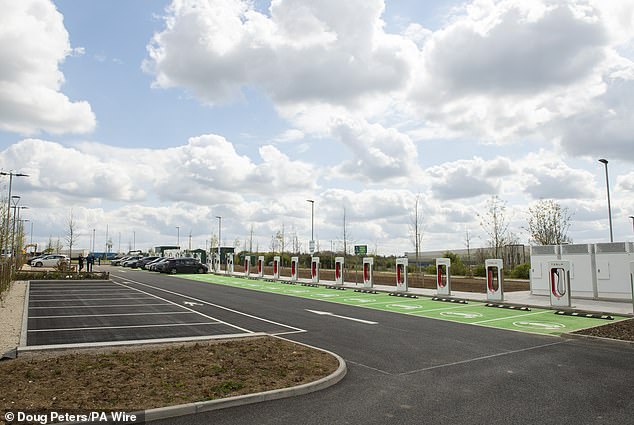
(15, 200)
(178, 236)
(219, 236)
(632, 218)
(312, 225)
(10, 174)
(607, 184)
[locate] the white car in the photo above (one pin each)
(52, 260)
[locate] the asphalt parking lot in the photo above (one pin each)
(72, 312)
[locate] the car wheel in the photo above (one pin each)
(39, 264)
(173, 271)
(201, 270)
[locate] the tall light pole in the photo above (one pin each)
(93, 242)
(10, 174)
(607, 184)
(219, 235)
(178, 236)
(632, 218)
(15, 200)
(311, 245)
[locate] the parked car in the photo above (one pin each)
(184, 265)
(37, 257)
(131, 262)
(119, 261)
(52, 260)
(157, 265)
(145, 260)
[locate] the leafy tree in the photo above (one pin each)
(548, 223)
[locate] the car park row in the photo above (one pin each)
(162, 264)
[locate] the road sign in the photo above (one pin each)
(360, 250)
(311, 246)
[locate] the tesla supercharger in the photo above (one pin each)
(217, 263)
(229, 263)
(559, 283)
(368, 272)
(261, 266)
(247, 266)
(443, 276)
(401, 274)
(495, 279)
(314, 269)
(276, 267)
(294, 268)
(632, 283)
(339, 262)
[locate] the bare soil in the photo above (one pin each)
(623, 330)
(138, 378)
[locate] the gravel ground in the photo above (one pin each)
(623, 330)
(11, 309)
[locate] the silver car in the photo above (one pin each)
(52, 260)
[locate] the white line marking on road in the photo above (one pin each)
(126, 327)
(187, 308)
(100, 306)
(327, 313)
(112, 315)
(481, 358)
(216, 305)
(95, 299)
(511, 317)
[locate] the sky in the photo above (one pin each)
(145, 120)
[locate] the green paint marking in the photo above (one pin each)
(539, 321)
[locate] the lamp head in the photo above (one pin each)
(603, 160)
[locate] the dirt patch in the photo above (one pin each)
(136, 379)
(623, 330)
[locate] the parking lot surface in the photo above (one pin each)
(72, 312)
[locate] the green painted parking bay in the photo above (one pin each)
(540, 321)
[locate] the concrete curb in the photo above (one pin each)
(206, 406)
(131, 343)
(25, 315)
(581, 337)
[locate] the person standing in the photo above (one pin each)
(89, 262)
(80, 260)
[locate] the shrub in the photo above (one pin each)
(521, 271)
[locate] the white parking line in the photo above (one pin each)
(96, 299)
(511, 317)
(214, 305)
(101, 306)
(187, 308)
(126, 327)
(111, 315)
(48, 293)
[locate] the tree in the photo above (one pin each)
(71, 233)
(548, 223)
(416, 234)
(495, 224)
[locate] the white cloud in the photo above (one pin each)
(469, 178)
(206, 169)
(546, 175)
(33, 44)
(306, 51)
(378, 153)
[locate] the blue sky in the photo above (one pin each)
(148, 115)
